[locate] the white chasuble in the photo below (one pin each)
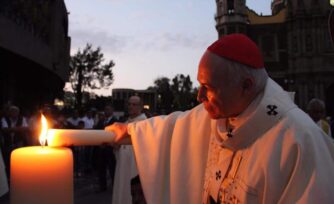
(274, 153)
(171, 153)
(279, 155)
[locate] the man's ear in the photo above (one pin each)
(247, 84)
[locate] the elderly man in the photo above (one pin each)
(126, 165)
(246, 143)
(317, 110)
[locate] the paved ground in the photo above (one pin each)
(84, 193)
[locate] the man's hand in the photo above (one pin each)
(121, 133)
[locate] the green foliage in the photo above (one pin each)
(177, 95)
(165, 95)
(87, 71)
(182, 91)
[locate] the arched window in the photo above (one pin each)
(230, 7)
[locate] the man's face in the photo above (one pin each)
(134, 106)
(317, 112)
(219, 97)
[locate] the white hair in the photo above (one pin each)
(240, 71)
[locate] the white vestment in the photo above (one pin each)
(126, 169)
(171, 153)
(276, 154)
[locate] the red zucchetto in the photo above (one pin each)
(238, 48)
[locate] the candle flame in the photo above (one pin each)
(43, 135)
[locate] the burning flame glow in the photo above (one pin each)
(43, 135)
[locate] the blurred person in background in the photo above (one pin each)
(317, 111)
(126, 168)
(15, 133)
(105, 158)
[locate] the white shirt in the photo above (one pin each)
(89, 122)
(13, 123)
(74, 121)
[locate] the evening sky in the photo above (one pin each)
(147, 39)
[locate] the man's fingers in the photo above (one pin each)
(120, 131)
(108, 128)
(116, 128)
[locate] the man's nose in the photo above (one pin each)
(200, 95)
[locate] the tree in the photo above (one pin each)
(183, 92)
(87, 71)
(165, 95)
(179, 95)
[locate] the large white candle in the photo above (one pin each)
(41, 175)
(66, 137)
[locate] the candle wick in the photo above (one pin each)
(44, 143)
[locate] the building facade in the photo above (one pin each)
(294, 40)
(34, 51)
